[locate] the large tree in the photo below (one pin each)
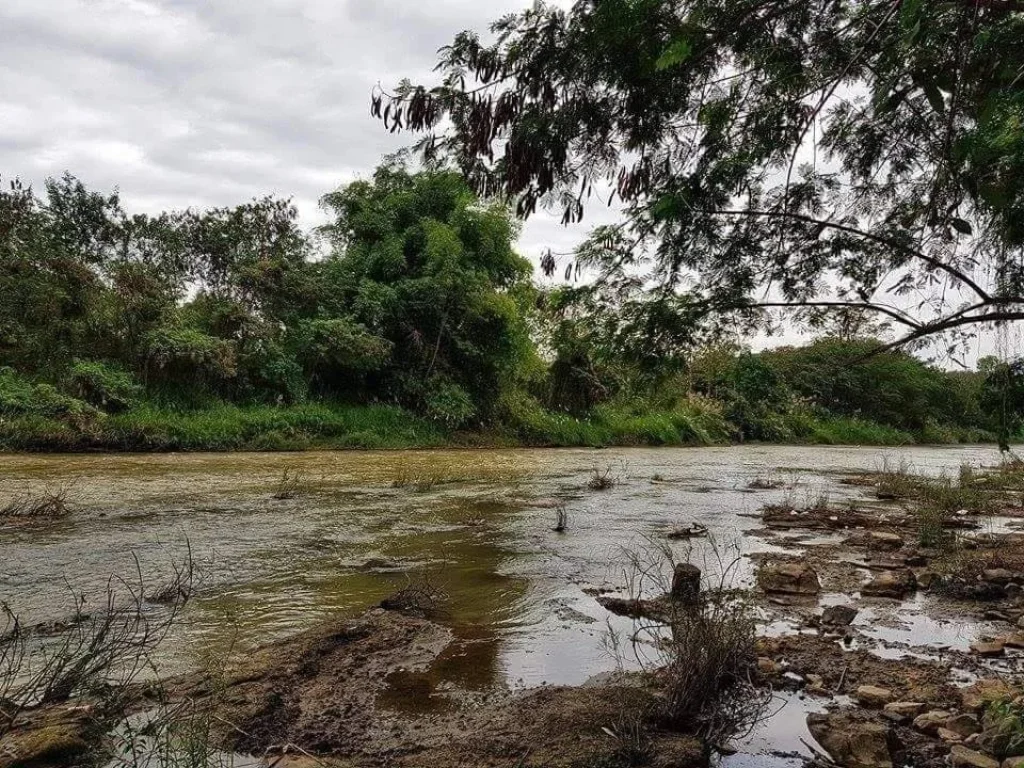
(838, 154)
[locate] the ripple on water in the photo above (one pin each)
(465, 518)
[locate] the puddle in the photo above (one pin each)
(909, 626)
(780, 739)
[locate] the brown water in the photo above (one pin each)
(477, 522)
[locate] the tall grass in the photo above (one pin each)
(227, 427)
(222, 427)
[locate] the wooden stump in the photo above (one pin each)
(686, 584)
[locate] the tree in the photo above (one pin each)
(857, 377)
(430, 289)
(861, 154)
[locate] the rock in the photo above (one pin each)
(890, 584)
(1020, 622)
(986, 691)
(1013, 762)
(634, 609)
(904, 709)
(963, 725)
(768, 667)
(380, 564)
(850, 741)
(930, 722)
(816, 685)
(927, 579)
(988, 648)
(962, 757)
(997, 575)
(1015, 640)
(838, 615)
(873, 696)
(689, 531)
(51, 745)
(982, 591)
(885, 540)
(788, 578)
(1012, 590)
(949, 736)
(995, 616)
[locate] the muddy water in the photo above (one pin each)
(477, 524)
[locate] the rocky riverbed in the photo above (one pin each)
(885, 637)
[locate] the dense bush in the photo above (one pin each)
(21, 397)
(176, 331)
(106, 387)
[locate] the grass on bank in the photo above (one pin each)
(150, 428)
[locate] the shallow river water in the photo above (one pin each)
(360, 525)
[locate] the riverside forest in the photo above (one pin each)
(409, 321)
(394, 487)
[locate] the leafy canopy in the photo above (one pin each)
(824, 154)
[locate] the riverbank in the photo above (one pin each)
(373, 427)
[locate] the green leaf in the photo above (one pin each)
(674, 55)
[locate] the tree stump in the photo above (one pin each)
(686, 584)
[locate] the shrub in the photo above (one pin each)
(707, 649)
(184, 356)
(21, 397)
(448, 404)
(49, 504)
(340, 346)
(111, 389)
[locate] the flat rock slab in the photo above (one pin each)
(850, 740)
(788, 578)
(962, 757)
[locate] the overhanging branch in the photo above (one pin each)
(891, 312)
(953, 272)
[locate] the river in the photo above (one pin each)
(360, 525)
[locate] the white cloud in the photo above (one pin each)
(211, 102)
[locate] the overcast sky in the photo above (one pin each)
(198, 103)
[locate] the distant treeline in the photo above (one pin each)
(408, 320)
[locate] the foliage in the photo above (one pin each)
(106, 387)
(416, 324)
(420, 263)
(20, 397)
(853, 378)
(1002, 398)
(188, 357)
(856, 155)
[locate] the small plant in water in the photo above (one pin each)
(419, 596)
(290, 485)
(765, 484)
(49, 504)
(602, 480)
(561, 519)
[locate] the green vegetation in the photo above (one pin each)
(407, 321)
(860, 158)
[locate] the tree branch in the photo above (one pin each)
(891, 312)
(930, 260)
(949, 323)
